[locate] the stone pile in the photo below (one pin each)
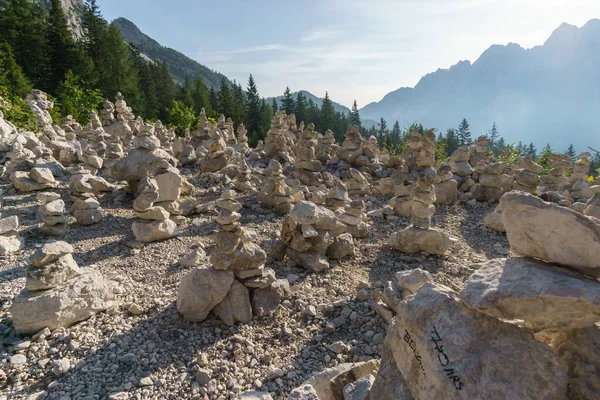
(40, 106)
(156, 224)
(446, 188)
(10, 240)
(352, 148)
(35, 179)
(237, 284)
(274, 191)
(326, 147)
(53, 214)
(526, 176)
(58, 293)
(556, 180)
(309, 233)
(459, 161)
(83, 187)
(479, 152)
(108, 113)
(493, 183)
(358, 183)
(579, 177)
(276, 144)
(355, 219)
(244, 180)
(420, 237)
(307, 167)
(216, 159)
(242, 140)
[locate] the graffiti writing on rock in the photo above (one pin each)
(411, 343)
(444, 360)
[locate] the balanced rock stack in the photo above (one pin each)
(156, 224)
(326, 147)
(446, 188)
(243, 181)
(527, 175)
(420, 237)
(242, 140)
(36, 179)
(556, 180)
(216, 158)
(40, 105)
(275, 192)
(53, 213)
(358, 183)
(308, 232)
(493, 183)
(58, 293)
(579, 177)
(336, 198)
(355, 219)
(276, 146)
(86, 208)
(122, 108)
(308, 167)
(479, 152)
(108, 113)
(352, 148)
(459, 161)
(237, 284)
(10, 240)
(401, 203)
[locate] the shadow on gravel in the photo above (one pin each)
(163, 341)
(478, 238)
(12, 274)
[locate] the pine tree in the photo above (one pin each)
(165, 89)
(300, 107)
(452, 141)
(287, 103)
(493, 136)
(381, 132)
(274, 106)
(395, 134)
(147, 87)
(531, 151)
(213, 97)
(239, 104)
(327, 117)
(11, 75)
(225, 99)
(571, 153)
(22, 27)
(354, 118)
(200, 96)
(544, 159)
(464, 134)
(253, 110)
(266, 114)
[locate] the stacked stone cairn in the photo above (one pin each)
(276, 144)
(35, 179)
(216, 159)
(326, 147)
(527, 175)
(242, 140)
(309, 233)
(244, 180)
(556, 180)
(355, 219)
(578, 180)
(58, 293)
(237, 284)
(479, 152)
(274, 191)
(307, 167)
(420, 237)
(41, 106)
(446, 188)
(10, 240)
(53, 214)
(156, 224)
(86, 207)
(108, 113)
(358, 183)
(493, 183)
(352, 148)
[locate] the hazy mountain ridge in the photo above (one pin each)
(180, 65)
(317, 100)
(546, 94)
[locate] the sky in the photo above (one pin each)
(355, 50)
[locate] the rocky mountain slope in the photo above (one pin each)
(180, 65)
(546, 94)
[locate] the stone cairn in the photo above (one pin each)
(40, 106)
(358, 183)
(242, 140)
(10, 240)
(308, 232)
(478, 151)
(352, 148)
(420, 237)
(244, 180)
(108, 113)
(156, 224)
(276, 144)
(493, 183)
(53, 213)
(274, 191)
(556, 179)
(216, 159)
(527, 175)
(579, 178)
(86, 207)
(58, 293)
(446, 188)
(307, 167)
(237, 284)
(36, 179)
(326, 147)
(355, 219)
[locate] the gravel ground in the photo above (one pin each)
(143, 349)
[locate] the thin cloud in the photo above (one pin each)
(320, 35)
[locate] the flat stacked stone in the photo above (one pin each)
(411, 154)
(556, 180)
(36, 179)
(336, 198)
(72, 128)
(308, 233)
(276, 145)
(108, 113)
(459, 161)
(527, 175)
(307, 167)
(10, 239)
(122, 108)
(53, 214)
(355, 219)
(479, 152)
(86, 207)
(352, 148)
(156, 224)
(244, 180)
(216, 158)
(358, 183)
(493, 183)
(275, 192)
(446, 188)
(58, 293)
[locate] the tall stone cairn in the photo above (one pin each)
(308, 168)
(557, 177)
(527, 175)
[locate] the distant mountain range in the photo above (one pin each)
(546, 94)
(180, 65)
